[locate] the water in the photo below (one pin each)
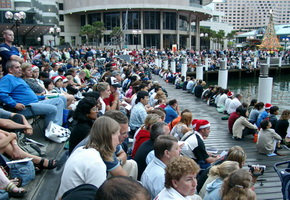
(248, 87)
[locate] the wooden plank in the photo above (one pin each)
(221, 140)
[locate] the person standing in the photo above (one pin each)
(8, 51)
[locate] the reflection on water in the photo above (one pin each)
(249, 88)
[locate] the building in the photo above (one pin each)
(248, 15)
(255, 37)
(145, 23)
(40, 16)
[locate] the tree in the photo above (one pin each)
(116, 36)
(220, 37)
(94, 31)
(99, 30)
(87, 30)
(231, 36)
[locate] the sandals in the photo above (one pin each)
(17, 181)
(19, 192)
(51, 164)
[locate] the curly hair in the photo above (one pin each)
(84, 108)
(285, 115)
(101, 136)
(179, 167)
(237, 186)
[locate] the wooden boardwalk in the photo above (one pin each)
(220, 139)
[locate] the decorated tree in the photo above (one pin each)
(270, 40)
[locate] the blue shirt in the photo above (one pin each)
(171, 114)
(263, 115)
(15, 90)
(138, 115)
(153, 178)
(6, 52)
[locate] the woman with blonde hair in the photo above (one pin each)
(212, 186)
(237, 186)
(104, 89)
(144, 133)
(180, 180)
(86, 164)
(182, 126)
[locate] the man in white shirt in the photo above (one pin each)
(165, 149)
(236, 102)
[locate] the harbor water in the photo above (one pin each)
(248, 87)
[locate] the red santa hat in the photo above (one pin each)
(268, 106)
(202, 123)
(56, 78)
(193, 123)
(230, 94)
(34, 67)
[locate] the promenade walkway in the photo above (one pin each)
(220, 139)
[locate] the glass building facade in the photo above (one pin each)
(143, 28)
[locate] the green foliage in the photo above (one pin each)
(94, 31)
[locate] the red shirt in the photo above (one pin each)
(108, 101)
(233, 117)
(142, 136)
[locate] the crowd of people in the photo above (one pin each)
(124, 129)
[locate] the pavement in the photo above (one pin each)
(268, 186)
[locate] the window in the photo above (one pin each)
(169, 21)
(111, 20)
(83, 20)
(61, 18)
(133, 20)
(60, 6)
(151, 20)
(61, 28)
(94, 18)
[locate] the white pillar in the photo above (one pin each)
(199, 72)
(184, 68)
(265, 85)
(206, 64)
(240, 62)
(223, 76)
(280, 61)
(268, 61)
(255, 62)
(265, 89)
(159, 63)
(165, 64)
(156, 62)
(173, 66)
(226, 61)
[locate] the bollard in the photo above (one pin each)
(184, 67)
(173, 66)
(165, 64)
(265, 85)
(199, 70)
(280, 61)
(223, 75)
(240, 62)
(206, 63)
(268, 61)
(255, 62)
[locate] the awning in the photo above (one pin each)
(27, 29)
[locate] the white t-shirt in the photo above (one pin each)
(103, 110)
(171, 193)
(84, 166)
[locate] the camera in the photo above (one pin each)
(257, 173)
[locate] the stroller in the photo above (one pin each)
(284, 175)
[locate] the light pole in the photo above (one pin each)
(203, 35)
(54, 31)
(135, 33)
(16, 18)
(286, 40)
(39, 40)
